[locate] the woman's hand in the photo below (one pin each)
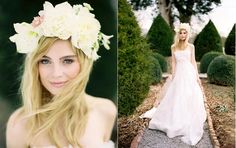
(171, 77)
(199, 81)
(157, 102)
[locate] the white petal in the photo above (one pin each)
(88, 6)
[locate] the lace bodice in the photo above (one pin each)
(183, 55)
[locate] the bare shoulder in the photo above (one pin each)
(16, 127)
(104, 106)
(14, 118)
(172, 47)
(191, 46)
(102, 115)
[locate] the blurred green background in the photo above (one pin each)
(103, 80)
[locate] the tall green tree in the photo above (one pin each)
(207, 40)
(186, 8)
(134, 62)
(160, 36)
(230, 42)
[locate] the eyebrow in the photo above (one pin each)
(64, 57)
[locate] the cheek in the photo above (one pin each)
(43, 72)
(74, 70)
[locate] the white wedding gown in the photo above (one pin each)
(181, 111)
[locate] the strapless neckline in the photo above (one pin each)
(182, 50)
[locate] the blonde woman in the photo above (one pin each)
(181, 110)
(61, 46)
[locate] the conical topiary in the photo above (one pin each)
(134, 62)
(207, 40)
(160, 36)
(230, 42)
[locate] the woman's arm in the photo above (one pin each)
(173, 62)
(111, 113)
(15, 133)
(193, 61)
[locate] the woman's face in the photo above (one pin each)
(183, 35)
(58, 66)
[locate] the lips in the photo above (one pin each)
(58, 84)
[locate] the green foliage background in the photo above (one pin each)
(206, 60)
(160, 36)
(135, 58)
(207, 40)
(221, 70)
(230, 42)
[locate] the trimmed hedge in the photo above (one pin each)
(206, 60)
(156, 70)
(230, 42)
(134, 62)
(162, 61)
(160, 36)
(207, 40)
(221, 70)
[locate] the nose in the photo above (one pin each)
(57, 70)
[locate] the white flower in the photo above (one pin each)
(95, 56)
(105, 40)
(87, 6)
(86, 32)
(58, 21)
(185, 26)
(26, 38)
(63, 21)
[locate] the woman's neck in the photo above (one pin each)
(182, 45)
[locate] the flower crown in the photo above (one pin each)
(62, 21)
(185, 26)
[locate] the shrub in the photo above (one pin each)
(160, 36)
(134, 62)
(207, 40)
(206, 60)
(156, 70)
(221, 70)
(230, 42)
(162, 61)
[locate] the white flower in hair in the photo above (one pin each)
(26, 38)
(86, 32)
(105, 40)
(57, 21)
(185, 26)
(87, 6)
(65, 22)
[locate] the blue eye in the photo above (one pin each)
(68, 61)
(44, 61)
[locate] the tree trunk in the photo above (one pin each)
(164, 11)
(184, 18)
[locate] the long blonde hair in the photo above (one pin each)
(177, 45)
(43, 111)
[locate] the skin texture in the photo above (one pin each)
(55, 70)
(58, 68)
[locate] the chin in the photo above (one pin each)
(54, 91)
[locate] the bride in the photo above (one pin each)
(181, 111)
